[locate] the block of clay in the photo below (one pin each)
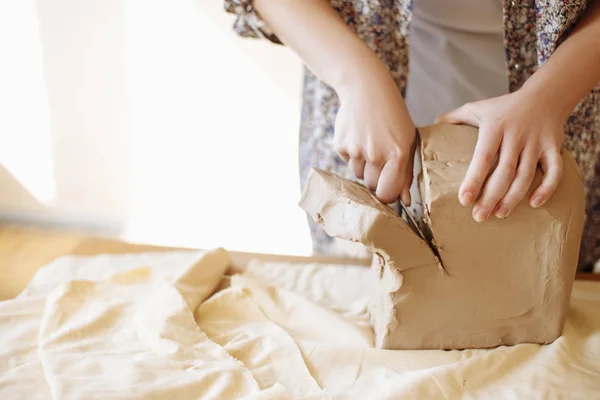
(456, 283)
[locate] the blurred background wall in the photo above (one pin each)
(150, 119)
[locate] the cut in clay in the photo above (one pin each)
(503, 282)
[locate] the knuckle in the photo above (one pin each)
(370, 151)
(374, 156)
(552, 154)
(527, 171)
(400, 156)
(486, 156)
(354, 151)
(512, 199)
(491, 126)
(519, 141)
(395, 153)
(511, 164)
(528, 176)
(504, 178)
(489, 200)
(474, 183)
(524, 182)
(478, 181)
(507, 171)
(543, 192)
(559, 171)
(500, 123)
(534, 149)
(518, 133)
(507, 204)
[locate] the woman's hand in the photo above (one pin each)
(518, 131)
(375, 135)
(374, 132)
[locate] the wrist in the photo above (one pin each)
(358, 73)
(558, 101)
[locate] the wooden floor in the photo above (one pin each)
(24, 249)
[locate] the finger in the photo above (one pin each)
(408, 168)
(405, 195)
(341, 149)
(391, 181)
(343, 155)
(499, 181)
(485, 153)
(371, 175)
(465, 114)
(346, 152)
(355, 151)
(357, 166)
(520, 185)
(552, 166)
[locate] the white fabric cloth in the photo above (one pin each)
(456, 56)
(148, 326)
(119, 327)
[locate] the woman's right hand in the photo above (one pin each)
(375, 135)
(374, 132)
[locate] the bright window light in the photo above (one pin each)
(25, 141)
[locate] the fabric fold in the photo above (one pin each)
(232, 319)
(21, 371)
(132, 338)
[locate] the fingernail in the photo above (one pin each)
(502, 212)
(537, 201)
(480, 214)
(466, 198)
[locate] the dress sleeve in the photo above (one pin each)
(248, 23)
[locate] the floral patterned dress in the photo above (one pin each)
(532, 31)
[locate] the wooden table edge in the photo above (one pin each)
(90, 247)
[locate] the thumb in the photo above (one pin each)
(465, 114)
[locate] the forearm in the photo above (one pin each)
(329, 48)
(574, 68)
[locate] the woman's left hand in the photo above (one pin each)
(517, 131)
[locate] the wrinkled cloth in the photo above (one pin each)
(155, 325)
